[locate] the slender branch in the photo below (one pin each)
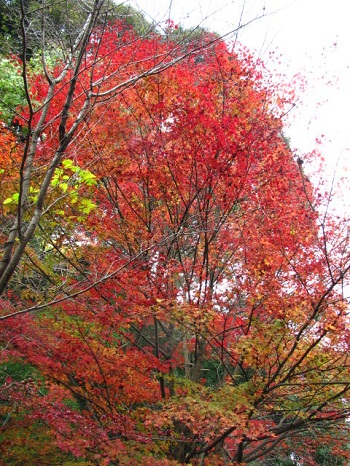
(108, 276)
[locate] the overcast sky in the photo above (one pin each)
(313, 38)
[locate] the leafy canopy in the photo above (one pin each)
(193, 311)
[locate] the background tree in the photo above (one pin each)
(61, 21)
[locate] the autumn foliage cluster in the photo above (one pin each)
(181, 300)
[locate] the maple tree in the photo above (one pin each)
(62, 71)
(191, 296)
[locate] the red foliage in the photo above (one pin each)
(206, 320)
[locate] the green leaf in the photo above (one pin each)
(55, 181)
(88, 178)
(63, 187)
(86, 206)
(68, 163)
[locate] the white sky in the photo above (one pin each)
(312, 37)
